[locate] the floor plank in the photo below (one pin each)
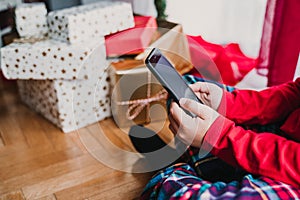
(2, 144)
(128, 191)
(117, 136)
(34, 134)
(106, 184)
(39, 161)
(15, 195)
(58, 139)
(48, 197)
(22, 155)
(48, 172)
(64, 181)
(12, 133)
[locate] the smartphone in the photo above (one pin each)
(170, 79)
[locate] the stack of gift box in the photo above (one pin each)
(63, 67)
(60, 60)
(136, 95)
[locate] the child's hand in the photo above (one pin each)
(191, 130)
(209, 93)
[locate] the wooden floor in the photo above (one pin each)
(38, 161)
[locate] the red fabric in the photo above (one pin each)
(227, 64)
(234, 64)
(133, 40)
(280, 43)
(264, 154)
(204, 56)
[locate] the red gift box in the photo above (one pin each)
(133, 40)
(226, 64)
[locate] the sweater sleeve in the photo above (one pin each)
(262, 107)
(263, 154)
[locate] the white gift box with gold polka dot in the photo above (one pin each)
(81, 23)
(67, 84)
(49, 59)
(69, 104)
(31, 19)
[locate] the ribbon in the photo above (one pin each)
(135, 107)
(139, 104)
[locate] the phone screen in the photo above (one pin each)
(169, 77)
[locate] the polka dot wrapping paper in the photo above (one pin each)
(50, 59)
(69, 104)
(31, 20)
(67, 84)
(81, 23)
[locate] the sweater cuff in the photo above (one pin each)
(227, 101)
(215, 134)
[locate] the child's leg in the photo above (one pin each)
(181, 182)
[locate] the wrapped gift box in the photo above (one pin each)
(133, 40)
(69, 104)
(134, 86)
(31, 20)
(136, 96)
(67, 84)
(81, 23)
(48, 59)
(171, 40)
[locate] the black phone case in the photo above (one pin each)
(154, 57)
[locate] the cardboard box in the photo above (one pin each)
(81, 23)
(67, 84)
(31, 20)
(136, 96)
(132, 84)
(171, 40)
(133, 40)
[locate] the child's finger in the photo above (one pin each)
(199, 87)
(199, 109)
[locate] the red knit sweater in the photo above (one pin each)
(265, 154)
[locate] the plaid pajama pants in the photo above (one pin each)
(180, 181)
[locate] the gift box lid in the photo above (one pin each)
(127, 64)
(171, 40)
(51, 59)
(81, 23)
(133, 40)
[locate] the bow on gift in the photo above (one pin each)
(136, 106)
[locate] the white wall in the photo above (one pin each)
(144, 7)
(221, 21)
